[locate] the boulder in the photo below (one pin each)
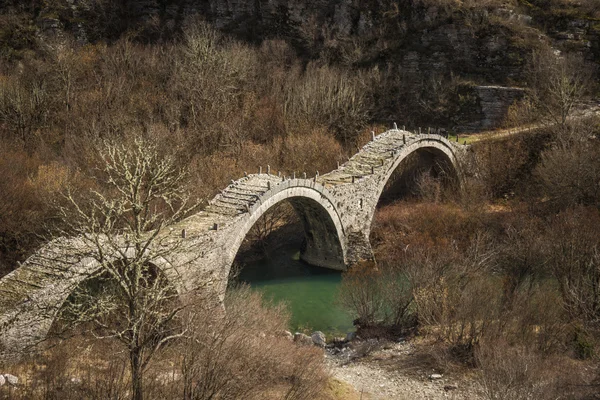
(2, 380)
(287, 335)
(11, 379)
(319, 339)
(302, 339)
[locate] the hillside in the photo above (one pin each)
(434, 49)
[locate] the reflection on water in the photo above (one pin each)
(310, 292)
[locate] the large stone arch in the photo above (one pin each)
(325, 244)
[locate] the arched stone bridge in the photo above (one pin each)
(336, 210)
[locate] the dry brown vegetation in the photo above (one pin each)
(504, 277)
(220, 107)
(240, 355)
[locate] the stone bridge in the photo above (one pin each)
(336, 210)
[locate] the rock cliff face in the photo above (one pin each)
(414, 45)
(486, 42)
(490, 108)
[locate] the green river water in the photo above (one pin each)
(309, 292)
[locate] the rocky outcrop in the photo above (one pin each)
(302, 339)
(490, 108)
(319, 339)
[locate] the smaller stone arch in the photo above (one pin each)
(34, 294)
(435, 145)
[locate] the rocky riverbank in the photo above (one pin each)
(398, 371)
(381, 369)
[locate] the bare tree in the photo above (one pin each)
(558, 83)
(121, 226)
(573, 255)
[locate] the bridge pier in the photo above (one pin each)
(359, 248)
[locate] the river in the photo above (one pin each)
(310, 292)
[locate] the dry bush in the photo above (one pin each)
(23, 105)
(520, 114)
(454, 292)
(557, 84)
(501, 165)
(241, 354)
(324, 96)
(26, 188)
(429, 188)
(447, 289)
(312, 152)
(424, 225)
(244, 355)
(569, 175)
(213, 78)
(591, 7)
(259, 237)
(520, 260)
(360, 293)
(536, 322)
(572, 247)
(515, 373)
(72, 370)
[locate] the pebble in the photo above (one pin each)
(11, 379)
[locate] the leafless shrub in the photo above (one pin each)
(520, 258)
(240, 354)
(573, 254)
(360, 292)
(514, 373)
(429, 188)
(558, 84)
(454, 294)
(243, 355)
(535, 320)
(23, 106)
(326, 97)
(569, 175)
(499, 167)
(278, 216)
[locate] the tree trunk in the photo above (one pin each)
(136, 374)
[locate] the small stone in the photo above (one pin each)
(448, 388)
(302, 339)
(434, 377)
(2, 380)
(287, 335)
(318, 339)
(11, 379)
